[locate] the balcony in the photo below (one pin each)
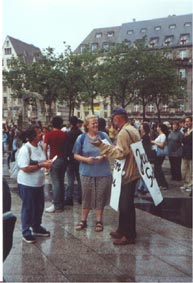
(149, 113)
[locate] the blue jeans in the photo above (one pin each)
(32, 207)
(57, 173)
(72, 173)
(142, 186)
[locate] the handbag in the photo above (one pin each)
(162, 151)
(13, 170)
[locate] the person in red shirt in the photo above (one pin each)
(56, 140)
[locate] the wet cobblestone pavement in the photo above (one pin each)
(162, 253)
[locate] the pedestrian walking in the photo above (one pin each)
(73, 164)
(186, 167)
(56, 140)
(175, 151)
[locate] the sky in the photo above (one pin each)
(50, 23)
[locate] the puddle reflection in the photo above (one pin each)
(177, 210)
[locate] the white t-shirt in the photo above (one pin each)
(27, 152)
(160, 139)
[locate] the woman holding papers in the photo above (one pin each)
(95, 173)
(32, 161)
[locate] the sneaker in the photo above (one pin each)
(42, 232)
(52, 209)
(188, 189)
(30, 239)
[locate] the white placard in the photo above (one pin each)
(116, 184)
(146, 172)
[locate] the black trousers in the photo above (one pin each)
(159, 174)
(127, 216)
(175, 165)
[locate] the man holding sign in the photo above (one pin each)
(126, 231)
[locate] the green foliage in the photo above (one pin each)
(126, 74)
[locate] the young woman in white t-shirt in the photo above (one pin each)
(160, 141)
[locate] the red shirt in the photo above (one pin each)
(56, 140)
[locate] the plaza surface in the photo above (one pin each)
(162, 253)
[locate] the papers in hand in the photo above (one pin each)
(54, 158)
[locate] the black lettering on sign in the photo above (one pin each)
(117, 166)
(150, 175)
(114, 182)
(143, 159)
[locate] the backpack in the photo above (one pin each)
(14, 168)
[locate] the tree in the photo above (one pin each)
(90, 77)
(69, 79)
(119, 74)
(159, 83)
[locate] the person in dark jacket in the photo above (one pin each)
(146, 141)
(73, 165)
(186, 167)
(175, 151)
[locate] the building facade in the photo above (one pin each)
(22, 111)
(173, 31)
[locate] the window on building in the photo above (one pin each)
(110, 33)
(181, 107)
(182, 73)
(182, 53)
(106, 46)
(98, 35)
(136, 108)
(157, 28)
(5, 113)
(188, 24)
(169, 55)
(4, 100)
(184, 38)
(168, 40)
(94, 46)
(7, 43)
(150, 108)
(105, 106)
(173, 26)
(4, 88)
(153, 42)
(143, 30)
(2, 62)
(8, 61)
(82, 47)
(164, 107)
(7, 51)
(130, 32)
(127, 42)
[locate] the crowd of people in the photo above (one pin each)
(81, 152)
